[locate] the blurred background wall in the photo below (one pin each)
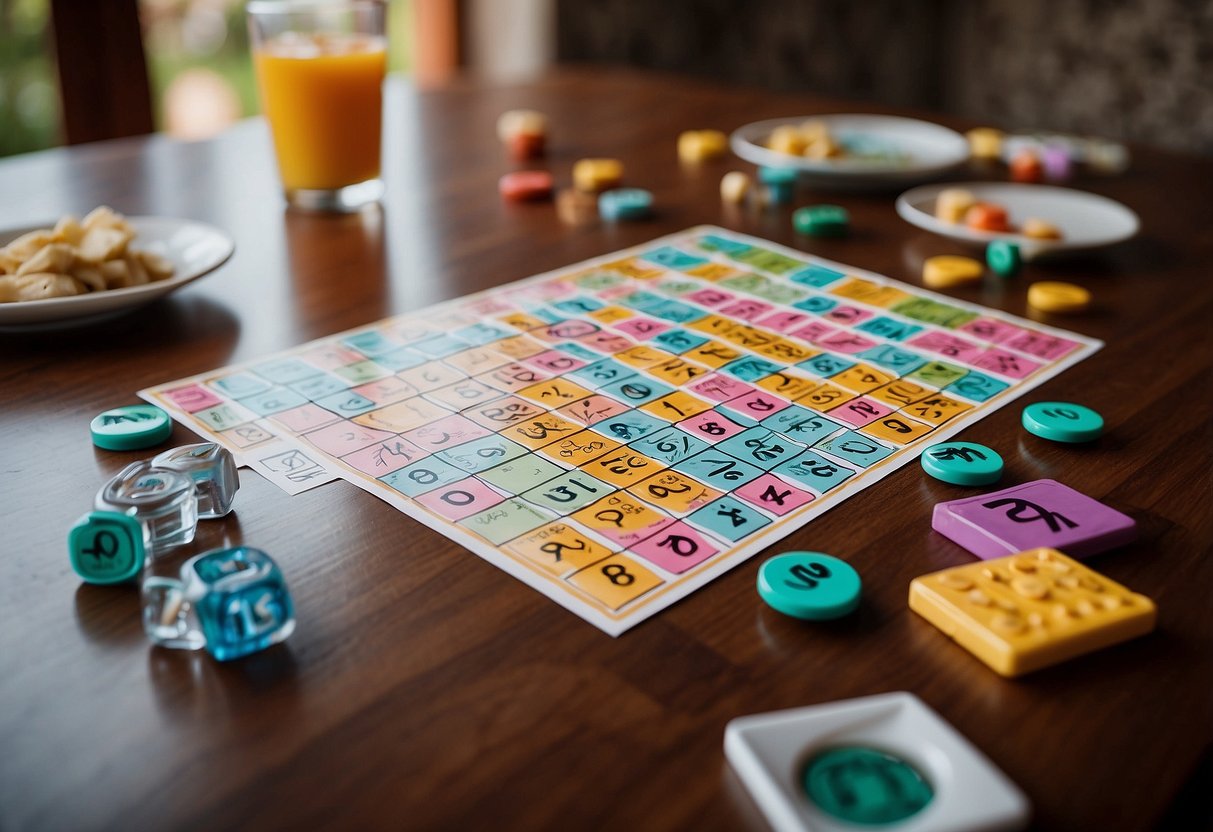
(1126, 69)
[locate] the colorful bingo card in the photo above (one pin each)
(620, 432)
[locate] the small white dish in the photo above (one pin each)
(1087, 221)
(194, 248)
(909, 150)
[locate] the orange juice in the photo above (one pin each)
(323, 97)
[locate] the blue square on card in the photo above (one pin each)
(855, 447)
(579, 305)
(750, 369)
(318, 387)
(670, 445)
(719, 469)
(286, 370)
(370, 343)
(817, 304)
(714, 242)
(423, 475)
(347, 403)
(480, 334)
(815, 275)
(729, 518)
(815, 471)
(482, 454)
(641, 300)
(629, 425)
(578, 351)
(673, 258)
(679, 340)
(976, 386)
(761, 447)
(800, 423)
(826, 364)
(894, 358)
(676, 312)
(399, 359)
(636, 390)
(274, 400)
(890, 328)
(600, 372)
(440, 346)
(239, 385)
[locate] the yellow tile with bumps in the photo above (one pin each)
(1030, 610)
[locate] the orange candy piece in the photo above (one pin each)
(1027, 167)
(987, 216)
(524, 146)
(525, 185)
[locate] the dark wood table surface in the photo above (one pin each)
(425, 688)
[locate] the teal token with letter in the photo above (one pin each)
(106, 547)
(867, 786)
(1062, 421)
(821, 221)
(1003, 258)
(809, 585)
(962, 463)
(131, 427)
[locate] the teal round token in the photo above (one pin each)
(777, 176)
(809, 585)
(1003, 258)
(625, 204)
(1062, 421)
(131, 427)
(866, 786)
(821, 221)
(106, 547)
(962, 463)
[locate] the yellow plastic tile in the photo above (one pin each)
(622, 467)
(541, 431)
(787, 384)
(616, 581)
(825, 397)
(937, 409)
(1030, 610)
(519, 347)
(674, 492)
(869, 292)
(677, 371)
(1055, 296)
(676, 406)
(592, 175)
(714, 354)
(559, 548)
(861, 378)
(575, 450)
(899, 429)
(947, 270)
(713, 271)
(555, 392)
(610, 314)
(641, 356)
(636, 269)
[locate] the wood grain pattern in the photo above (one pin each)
(424, 688)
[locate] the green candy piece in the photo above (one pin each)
(865, 786)
(1062, 421)
(809, 585)
(962, 463)
(106, 547)
(131, 427)
(1003, 258)
(821, 221)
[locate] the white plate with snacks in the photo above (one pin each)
(193, 249)
(865, 150)
(1086, 221)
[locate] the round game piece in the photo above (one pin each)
(1027, 167)
(962, 463)
(625, 204)
(696, 146)
(947, 270)
(131, 427)
(734, 186)
(867, 786)
(1040, 229)
(985, 143)
(595, 175)
(1062, 421)
(777, 176)
(809, 585)
(821, 221)
(1055, 296)
(575, 207)
(106, 547)
(987, 216)
(525, 185)
(1003, 258)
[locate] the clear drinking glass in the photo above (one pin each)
(320, 67)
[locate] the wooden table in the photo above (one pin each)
(425, 688)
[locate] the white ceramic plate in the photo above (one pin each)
(1087, 221)
(911, 150)
(194, 248)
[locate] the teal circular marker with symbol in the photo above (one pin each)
(962, 463)
(866, 786)
(809, 585)
(1062, 421)
(1003, 258)
(131, 428)
(106, 547)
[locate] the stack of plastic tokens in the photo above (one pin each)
(962, 463)
(1062, 422)
(809, 585)
(131, 427)
(625, 204)
(821, 221)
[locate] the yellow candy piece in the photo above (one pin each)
(1018, 623)
(814, 130)
(786, 139)
(734, 186)
(513, 122)
(985, 143)
(823, 148)
(593, 175)
(947, 270)
(952, 203)
(1040, 230)
(701, 145)
(1055, 296)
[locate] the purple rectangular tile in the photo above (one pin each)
(1040, 513)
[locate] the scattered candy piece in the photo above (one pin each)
(780, 182)
(985, 143)
(987, 216)
(1030, 610)
(524, 133)
(163, 501)
(1062, 421)
(701, 145)
(962, 463)
(787, 139)
(947, 270)
(575, 207)
(1106, 157)
(809, 585)
(952, 203)
(525, 146)
(625, 204)
(1058, 163)
(594, 175)
(824, 148)
(734, 186)
(525, 185)
(1040, 230)
(821, 221)
(106, 547)
(1003, 258)
(131, 427)
(1055, 296)
(1026, 167)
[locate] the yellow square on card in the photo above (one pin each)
(615, 581)
(787, 384)
(861, 378)
(578, 449)
(402, 416)
(622, 467)
(523, 321)
(714, 354)
(676, 406)
(633, 268)
(677, 371)
(559, 548)
(554, 392)
(1030, 610)
(937, 409)
(869, 292)
(610, 314)
(897, 428)
(641, 356)
(674, 492)
(713, 271)
(541, 430)
(519, 347)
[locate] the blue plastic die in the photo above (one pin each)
(243, 604)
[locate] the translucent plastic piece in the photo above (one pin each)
(163, 501)
(169, 617)
(243, 604)
(213, 470)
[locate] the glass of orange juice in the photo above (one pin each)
(320, 67)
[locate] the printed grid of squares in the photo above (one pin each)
(666, 405)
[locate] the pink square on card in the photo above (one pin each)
(814, 331)
(757, 404)
(607, 343)
(1044, 346)
(556, 361)
(676, 548)
(385, 457)
(710, 425)
(783, 321)
(771, 493)
(710, 297)
(946, 344)
(387, 390)
(849, 315)
(746, 310)
(345, 437)
(847, 342)
(331, 356)
(446, 433)
(305, 417)
(461, 499)
(719, 388)
(1006, 363)
(991, 329)
(192, 398)
(641, 328)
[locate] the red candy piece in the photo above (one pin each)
(524, 146)
(525, 185)
(986, 216)
(1027, 167)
